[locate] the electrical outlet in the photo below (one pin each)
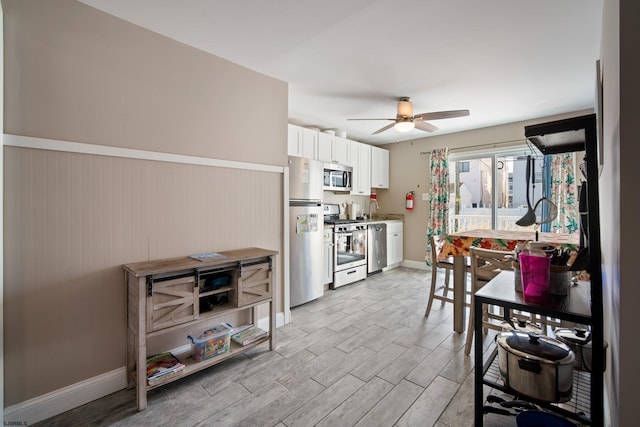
(425, 196)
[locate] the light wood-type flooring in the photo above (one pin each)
(362, 355)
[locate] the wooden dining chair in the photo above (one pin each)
(441, 292)
(485, 265)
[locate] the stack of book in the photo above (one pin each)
(163, 366)
(249, 335)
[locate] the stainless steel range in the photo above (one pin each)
(350, 247)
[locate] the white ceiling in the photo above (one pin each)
(504, 60)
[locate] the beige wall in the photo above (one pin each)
(71, 220)
(409, 171)
(85, 76)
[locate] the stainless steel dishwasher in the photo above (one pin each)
(376, 247)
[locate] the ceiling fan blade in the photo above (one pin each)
(389, 126)
(427, 127)
(372, 119)
(442, 115)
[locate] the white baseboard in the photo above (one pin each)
(42, 407)
(264, 322)
(281, 320)
(56, 402)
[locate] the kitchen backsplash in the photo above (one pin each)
(366, 206)
(388, 217)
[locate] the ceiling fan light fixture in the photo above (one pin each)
(405, 120)
(405, 108)
(404, 126)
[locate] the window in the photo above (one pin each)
(489, 190)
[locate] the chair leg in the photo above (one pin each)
(470, 331)
(543, 322)
(447, 274)
(434, 274)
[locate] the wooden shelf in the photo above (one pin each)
(216, 291)
(192, 366)
(163, 297)
(207, 316)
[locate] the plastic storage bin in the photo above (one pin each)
(211, 343)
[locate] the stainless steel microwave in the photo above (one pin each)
(337, 177)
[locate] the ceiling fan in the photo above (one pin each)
(405, 119)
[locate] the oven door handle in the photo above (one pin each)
(344, 233)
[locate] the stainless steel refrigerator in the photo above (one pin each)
(306, 220)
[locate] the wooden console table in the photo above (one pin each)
(166, 296)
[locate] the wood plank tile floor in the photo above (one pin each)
(362, 355)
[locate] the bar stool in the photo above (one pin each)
(485, 265)
(440, 293)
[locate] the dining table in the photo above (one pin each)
(457, 245)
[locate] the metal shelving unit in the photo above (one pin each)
(584, 303)
(578, 407)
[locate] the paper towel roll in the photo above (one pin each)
(354, 210)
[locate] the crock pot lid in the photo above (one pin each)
(537, 345)
(574, 335)
(521, 325)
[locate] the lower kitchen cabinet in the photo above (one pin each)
(395, 237)
(178, 297)
(327, 256)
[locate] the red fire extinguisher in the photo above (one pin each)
(410, 200)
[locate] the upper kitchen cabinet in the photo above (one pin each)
(361, 162)
(303, 142)
(379, 167)
(333, 149)
(325, 147)
(341, 150)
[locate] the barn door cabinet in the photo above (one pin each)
(184, 295)
(584, 303)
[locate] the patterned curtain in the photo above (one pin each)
(438, 218)
(563, 192)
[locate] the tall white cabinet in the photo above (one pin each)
(379, 167)
(361, 162)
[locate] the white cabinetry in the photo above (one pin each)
(395, 236)
(334, 149)
(361, 162)
(302, 142)
(325, 147)
(379, 167)
(327, 259)
(340, 150)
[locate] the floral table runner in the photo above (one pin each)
(502, 240)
